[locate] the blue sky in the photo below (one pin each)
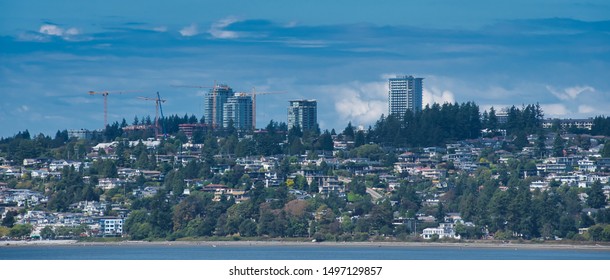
(556, 53)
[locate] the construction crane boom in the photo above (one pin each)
(253, 95)
(214, 93)
(161, 110)
(158, 107)
(105, 95)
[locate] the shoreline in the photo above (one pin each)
(474, 245)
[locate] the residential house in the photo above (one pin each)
(272, 179)
(28, 162)
(150, 143)
(108, 148)
(213, 188)
(22, 197)
(90, 208)
(299, 194)
(145, 192)
(444, 230)
(152, 175)
(327, 184)
(127, 173)
(539, 185)
(73, 219)
(603, 163)
(404, 167)
(58, 165)
(237, 194)
(587, 165)
(45, 173)
(110, 183)
(11, 171)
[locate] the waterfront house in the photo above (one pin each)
(444, 230)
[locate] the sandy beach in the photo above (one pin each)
(473, 244)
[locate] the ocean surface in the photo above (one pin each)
(288, 252)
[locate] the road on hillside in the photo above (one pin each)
(375, 195)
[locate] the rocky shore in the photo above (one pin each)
(474, 244)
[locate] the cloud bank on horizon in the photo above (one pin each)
(48, 70)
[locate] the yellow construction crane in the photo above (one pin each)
(158, 102)
(105, 95)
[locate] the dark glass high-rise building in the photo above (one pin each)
(303, 113)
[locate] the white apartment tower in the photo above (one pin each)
(238, 111)
(405, 93)
(213, 104)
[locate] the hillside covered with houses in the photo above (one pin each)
(448, 172)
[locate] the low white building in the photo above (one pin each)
(58, 165)
(149, 143)
(110, 183)
(444, 230)
(587, 165)
(540, 185)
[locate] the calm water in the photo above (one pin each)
(244, 252)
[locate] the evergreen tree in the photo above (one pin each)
(520, 140)
(9, 219)
(348, 132)
(605, 152)
(541, 145)
(359, 139)
(492, 121)
(326, 141)
(601, 126)
(485, 119)
(558, 146)
(596, 197)
(440, 213)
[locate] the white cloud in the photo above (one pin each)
(79, 100)
(189, 31)
(31, 36)
(586, 109)
(50, 29)
(217, 29)
(72, 32)
(555, 110)
(46, 31)
(23, 108)
(160, 29)
(364, 103)
(306, 43)
(497, 92)
(54, 30)
(570, 93)
(291, 24)
(387, 76)
(361, 103)
(434, 95)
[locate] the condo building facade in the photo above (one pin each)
(404, 94)
(303, 113)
